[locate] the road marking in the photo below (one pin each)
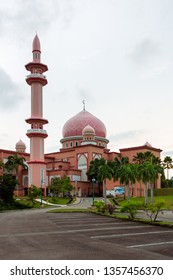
(86, 224)
(68, 231)
(150, 244)
(129, 234)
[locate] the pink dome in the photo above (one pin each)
(20, 144)
(88, 130)
(36, 44)
(75, 125)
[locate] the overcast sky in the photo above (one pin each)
(117, 55)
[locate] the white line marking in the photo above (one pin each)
(96, 229)
(67, 231)
(150, 244)
(129, 234)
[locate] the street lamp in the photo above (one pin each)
(93, 181)
(172, 189)
(41, 197)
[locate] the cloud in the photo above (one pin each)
(83, 94)
(34, 16)
(144, 52)
(126, 135)
(9, 92)
(167, 153)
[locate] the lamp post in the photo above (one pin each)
(93, 181)
(172, 189)
(41, 197)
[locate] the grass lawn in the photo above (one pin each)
(167, 199)
(57, 200)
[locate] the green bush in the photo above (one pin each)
(110, 208)
(131, 208)
(152, 210)
(59, 200)
(162, 192)
(100, 206)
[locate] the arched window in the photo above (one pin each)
(82, 165)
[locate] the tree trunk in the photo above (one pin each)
(151, 194)
(146, 194)
(104, 191)
(128, 192)
(140, 190)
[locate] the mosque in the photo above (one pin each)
(83, 139)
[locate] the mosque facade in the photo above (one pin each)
(83, 140)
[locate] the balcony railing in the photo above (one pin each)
(37, 131)
(36, 75)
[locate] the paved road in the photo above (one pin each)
(35, 234)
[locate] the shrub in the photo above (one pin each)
(34, 192)
(110, 208)
(100, 206)
(131, 208)
(152, 210)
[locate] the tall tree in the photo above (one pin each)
(117, 165)
(60, 185)
(149, 172)
(105, 172)
(13, 163)
(7, 187)
(144, 158)
(100, 170)
(1, 164)
(167, 164)
(127, 176)
(93, 172)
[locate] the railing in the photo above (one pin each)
(37, 131)
(36, 75)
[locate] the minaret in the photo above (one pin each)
(36, 79)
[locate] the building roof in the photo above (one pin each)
(20, 144)
(75, 125)
(88, 130)
(36, 44)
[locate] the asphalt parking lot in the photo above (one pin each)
(35, 234)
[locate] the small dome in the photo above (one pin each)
(75, 125)
(36, 44)
(20, 145)
(147, 144)
(88, 130)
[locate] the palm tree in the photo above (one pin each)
(1, 164)
(149, 172)
(127, 176)
(117, 165)
(167, 164)
(100, 170)
(93, 172)
(14, 162)
(141, 158)
(105, 172)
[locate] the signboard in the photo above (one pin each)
(119, 190)
(116, 191)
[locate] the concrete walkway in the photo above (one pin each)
(86, 202)
(77, 201)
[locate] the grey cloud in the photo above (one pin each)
(124, 135)
(33, 15)
(9, 92)
(83, 94)
(144, 52)
(167, 153)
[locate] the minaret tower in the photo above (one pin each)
(36, 79)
